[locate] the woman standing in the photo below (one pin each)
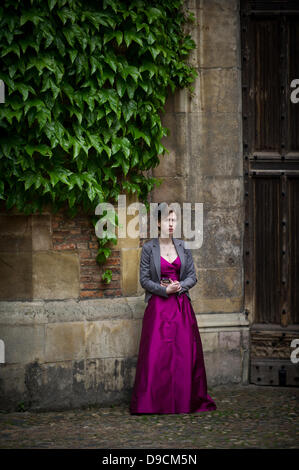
(170, 373)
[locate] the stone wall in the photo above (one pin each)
(69, 339)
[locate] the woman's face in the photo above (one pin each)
(168, 225)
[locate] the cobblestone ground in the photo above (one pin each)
(248, 416)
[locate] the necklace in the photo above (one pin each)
(171, 244)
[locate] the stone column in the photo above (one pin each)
(205, 165)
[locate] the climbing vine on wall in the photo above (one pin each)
(85, 82)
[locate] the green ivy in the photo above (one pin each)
(85, 82)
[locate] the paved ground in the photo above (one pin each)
(248, 416)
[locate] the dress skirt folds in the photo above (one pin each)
(170, 373)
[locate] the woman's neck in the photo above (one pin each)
(165, 240)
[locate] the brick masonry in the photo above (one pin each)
(78, 234)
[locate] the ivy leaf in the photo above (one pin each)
(31, 15)
(150, 67)
(76, 112)
(24, 90)
(60, 45)
(41, 148)
(73, 54)
(154, 51)
(52, 4)
(66, 14)
(130, 70)
(95, 65)
(134, 158)
(13, 48)
(111, 60)
(69, 36)
(140, 26)
(108, 36)
(107, 73)
(107, 150)
(96, 18)
(8, 114)
(2, 190)
(119, 37)
(137, 134)
(36, 103)
(69, 91)
(76, 179)
(91, 192)
(130, 36)
(129, 109)
(153, 14)
(150, 38)
(12, 70)
(60, 174)
(47, 187)
(108, 174)
(28, 41)
(50, 133)
(131, 87)
(125, 166)
(29, 179)
(113, 99)
(38, 180)
(42, 117)
(121, 87)
(96, 142)
(72, 198)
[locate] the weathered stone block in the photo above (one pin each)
(224, 192)
(229, 340)
(218, 36)
(140, 290)
(41, 232)
(173, 189)
(177, 102)
(16, 276)
(209, 341)
(210, 149)
(64, 341)
(115, 338)
(108, 380)
(226, 282)
(129, 272)
(220, 90)
(221, 305)
(55, 275)
(103, 309)
(223, 367)
(172, 164)
(23, 343)
(48, 386)
(216, 6)
(222, 238)
(15, 225)
(11, 382)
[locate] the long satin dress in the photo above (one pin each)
(170, 373)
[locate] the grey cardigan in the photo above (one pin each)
(150, 268)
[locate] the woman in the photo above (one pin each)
(170, 373)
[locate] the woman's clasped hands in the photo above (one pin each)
(173, 287)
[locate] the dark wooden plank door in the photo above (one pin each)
(270, 61)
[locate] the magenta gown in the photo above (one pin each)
(170, 373)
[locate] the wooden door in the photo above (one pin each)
(270, 61)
